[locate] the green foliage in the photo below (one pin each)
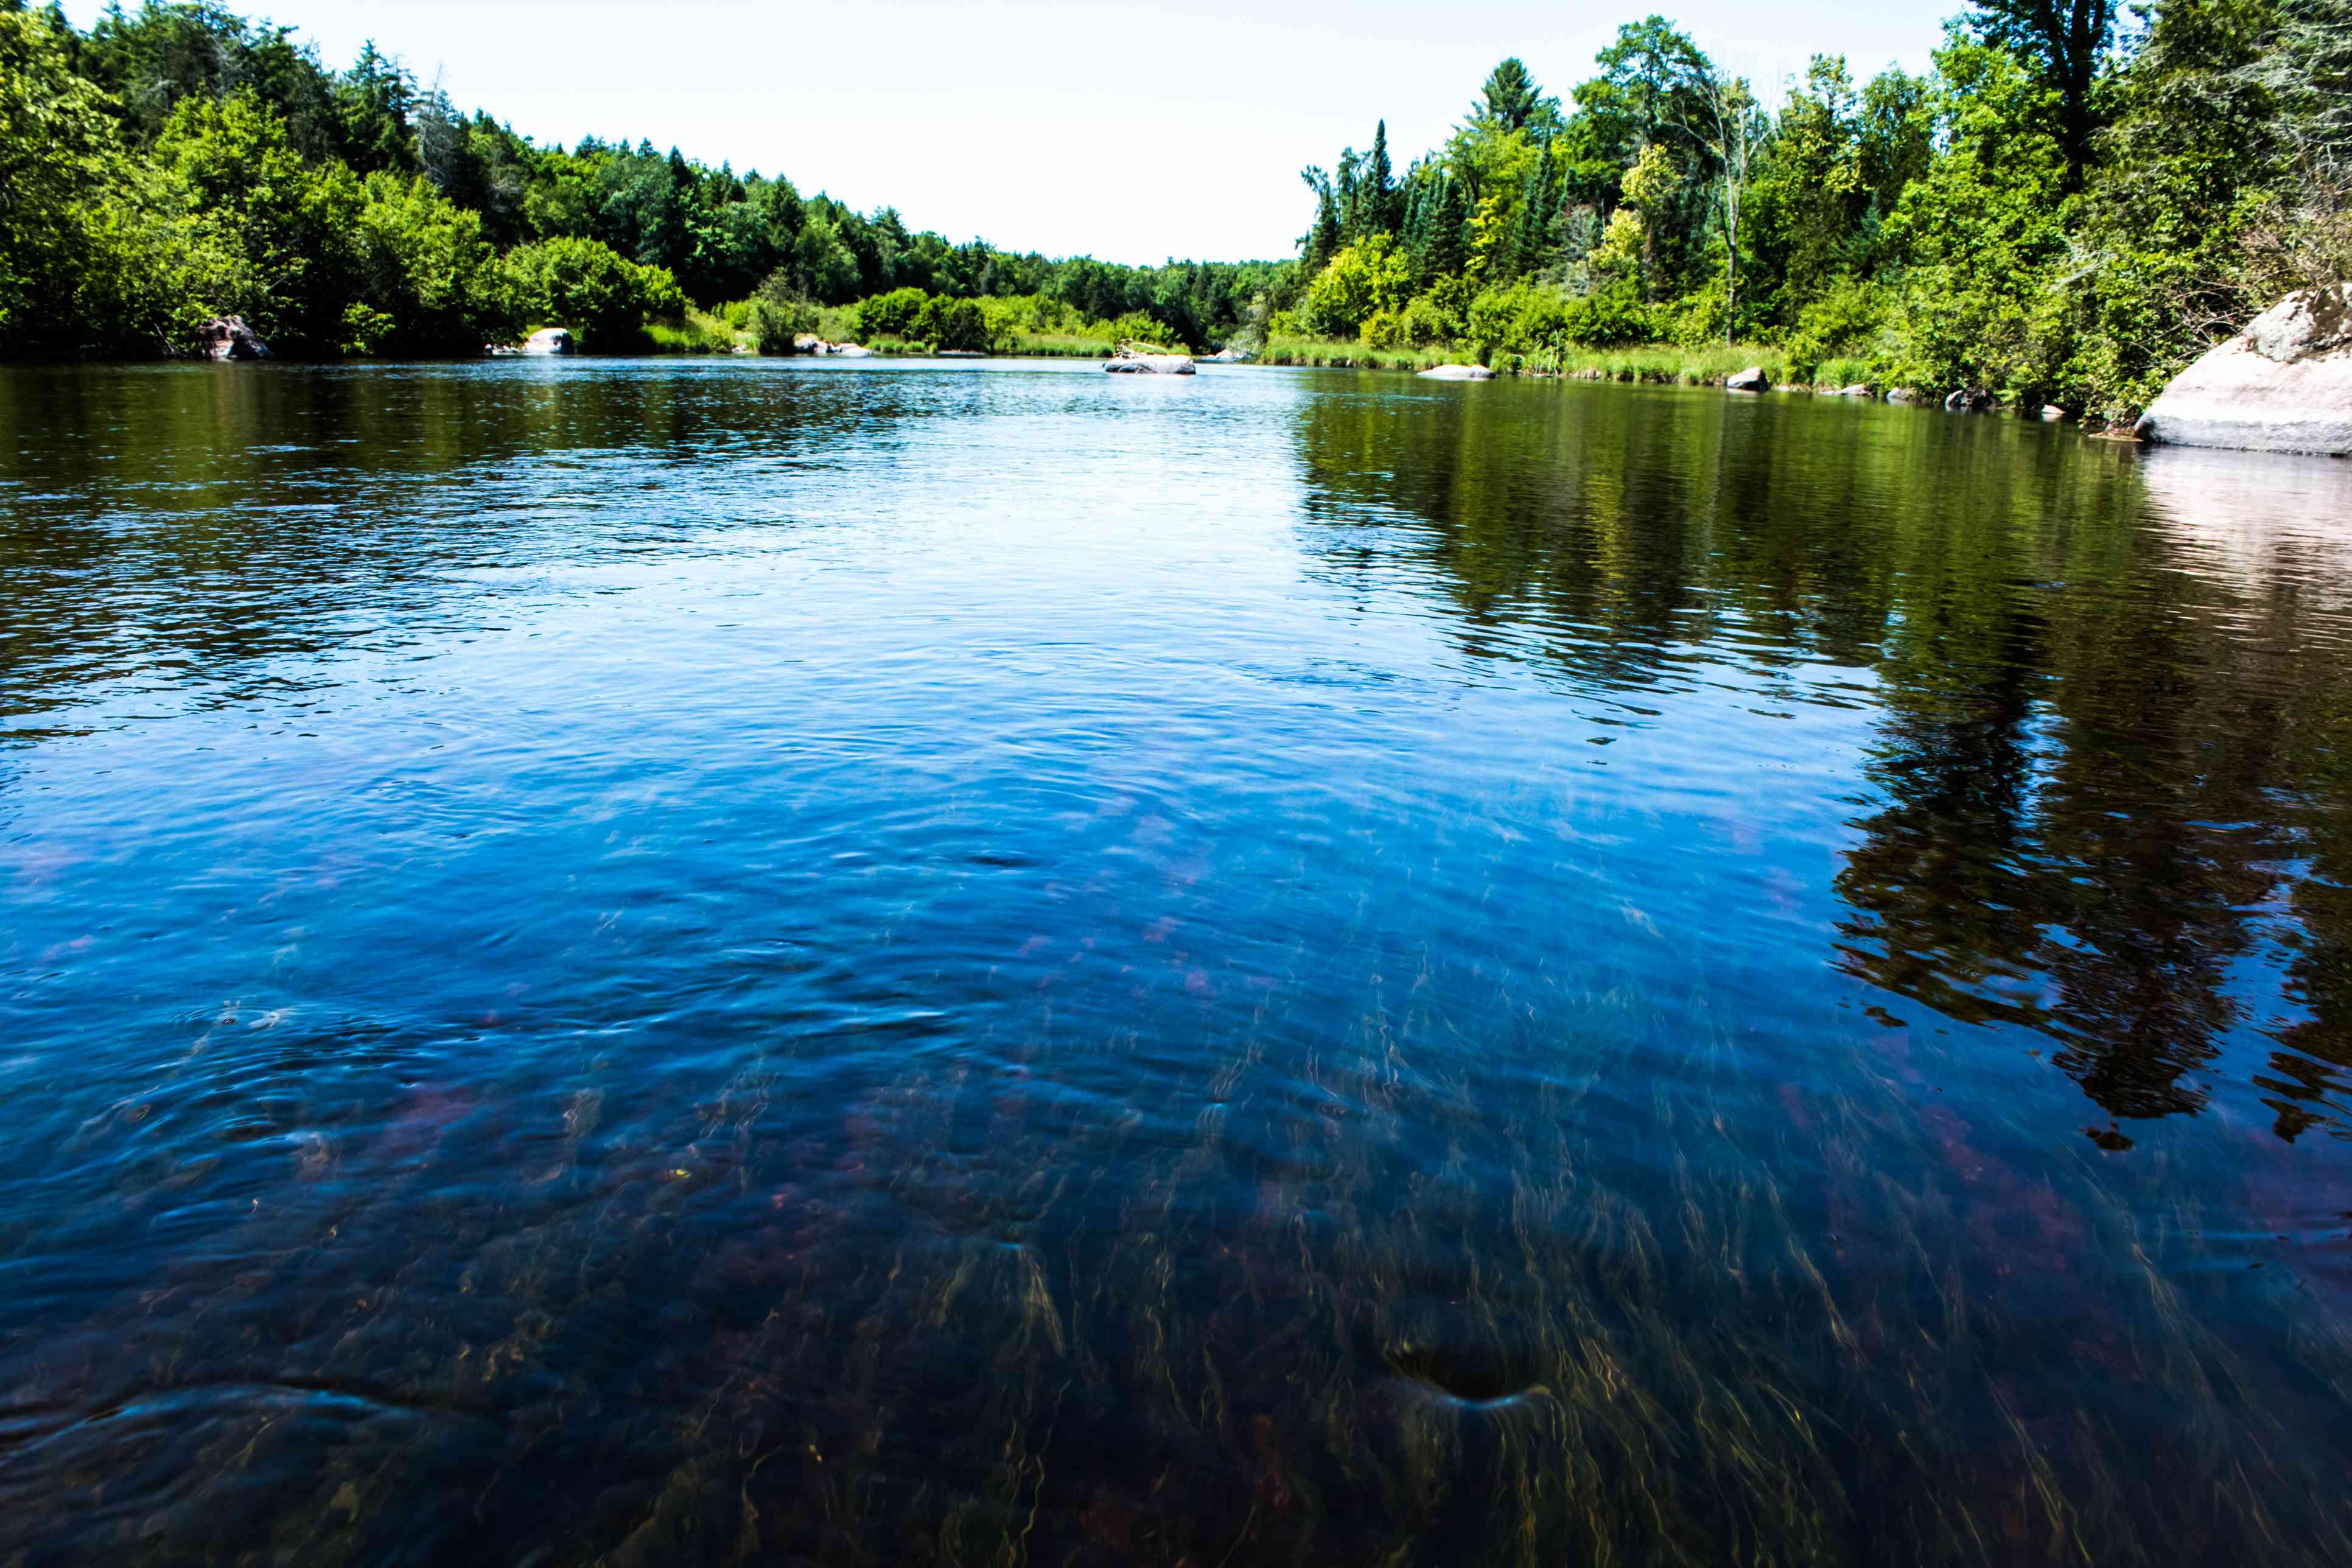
(585, 285)
(1364, 279)
(778, 315)
(1851, 319)
(1984, 235)
(957, 324)
(424, 268)
(891, 315)
(2050, 214)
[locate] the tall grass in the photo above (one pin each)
(1709, 364)
(695, 332)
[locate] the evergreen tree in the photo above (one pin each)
(1347, 194)
(1322, 239)
(1538, 206)
(1379, 193)
(1511, 100)
(1449, 230)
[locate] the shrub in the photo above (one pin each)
(891, 315)
(587, 286)
(777, 315)
(958, 324)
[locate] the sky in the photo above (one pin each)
(1133, 132)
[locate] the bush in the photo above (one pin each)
(587, 286)
(958, 324)
(1849, 320)
(1364, 280)
(777, 315)
(891, 315)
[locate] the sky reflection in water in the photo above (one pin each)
(714, 961)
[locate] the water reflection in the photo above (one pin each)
(622, 962)
(2109, 691)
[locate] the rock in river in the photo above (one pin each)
(1457, 373)
(1752, 379)
(227, 337)
(2283, 384)
(1969, 400)
(548, 341)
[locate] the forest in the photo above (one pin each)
(2073, 201)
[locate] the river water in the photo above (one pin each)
(666, 961)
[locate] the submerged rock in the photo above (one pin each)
(1857, 390)
(1903, 395)
(2283, 384)
(227, 337)
(2052, 414)
(1969, 400)
(1752, 379)
(548, 341)
(1457, 373)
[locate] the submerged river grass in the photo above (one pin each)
(656, 962)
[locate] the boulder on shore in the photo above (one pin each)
(1901, 395)
(227, 337)
(1969, 400)
(2283, 384)
(1752, 379)
(548, 341)
(1457, 373)
(1857, 390)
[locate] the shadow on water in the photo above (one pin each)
(651, 963)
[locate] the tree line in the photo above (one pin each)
(180, 162)
(2073, 202)
(2068, 206)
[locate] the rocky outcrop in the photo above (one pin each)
(1457, 373)
(1752, 379)
(2283, 384)
(227, 337)
(548, 341)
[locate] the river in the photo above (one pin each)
(668, 962)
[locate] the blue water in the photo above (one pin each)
(652, 961)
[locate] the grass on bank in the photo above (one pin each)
(1707, 364)
(720, 332)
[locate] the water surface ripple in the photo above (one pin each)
(662, 962)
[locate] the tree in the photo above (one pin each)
(2066, 41)
(1982, 236)
(1323, 237)
(1735, 129)
(1378, 193)
(1511, 101)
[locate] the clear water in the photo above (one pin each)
(654, 963)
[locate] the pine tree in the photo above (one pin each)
(1379, 193)
(1348, 191)
(1449, 230)
(1538, 205)
(1511, 100)
(1322, 239)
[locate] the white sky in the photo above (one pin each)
(1069, 129)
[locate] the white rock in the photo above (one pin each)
(548, 341)
(2283, 384)
(1457, 373)
(1752, 379)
